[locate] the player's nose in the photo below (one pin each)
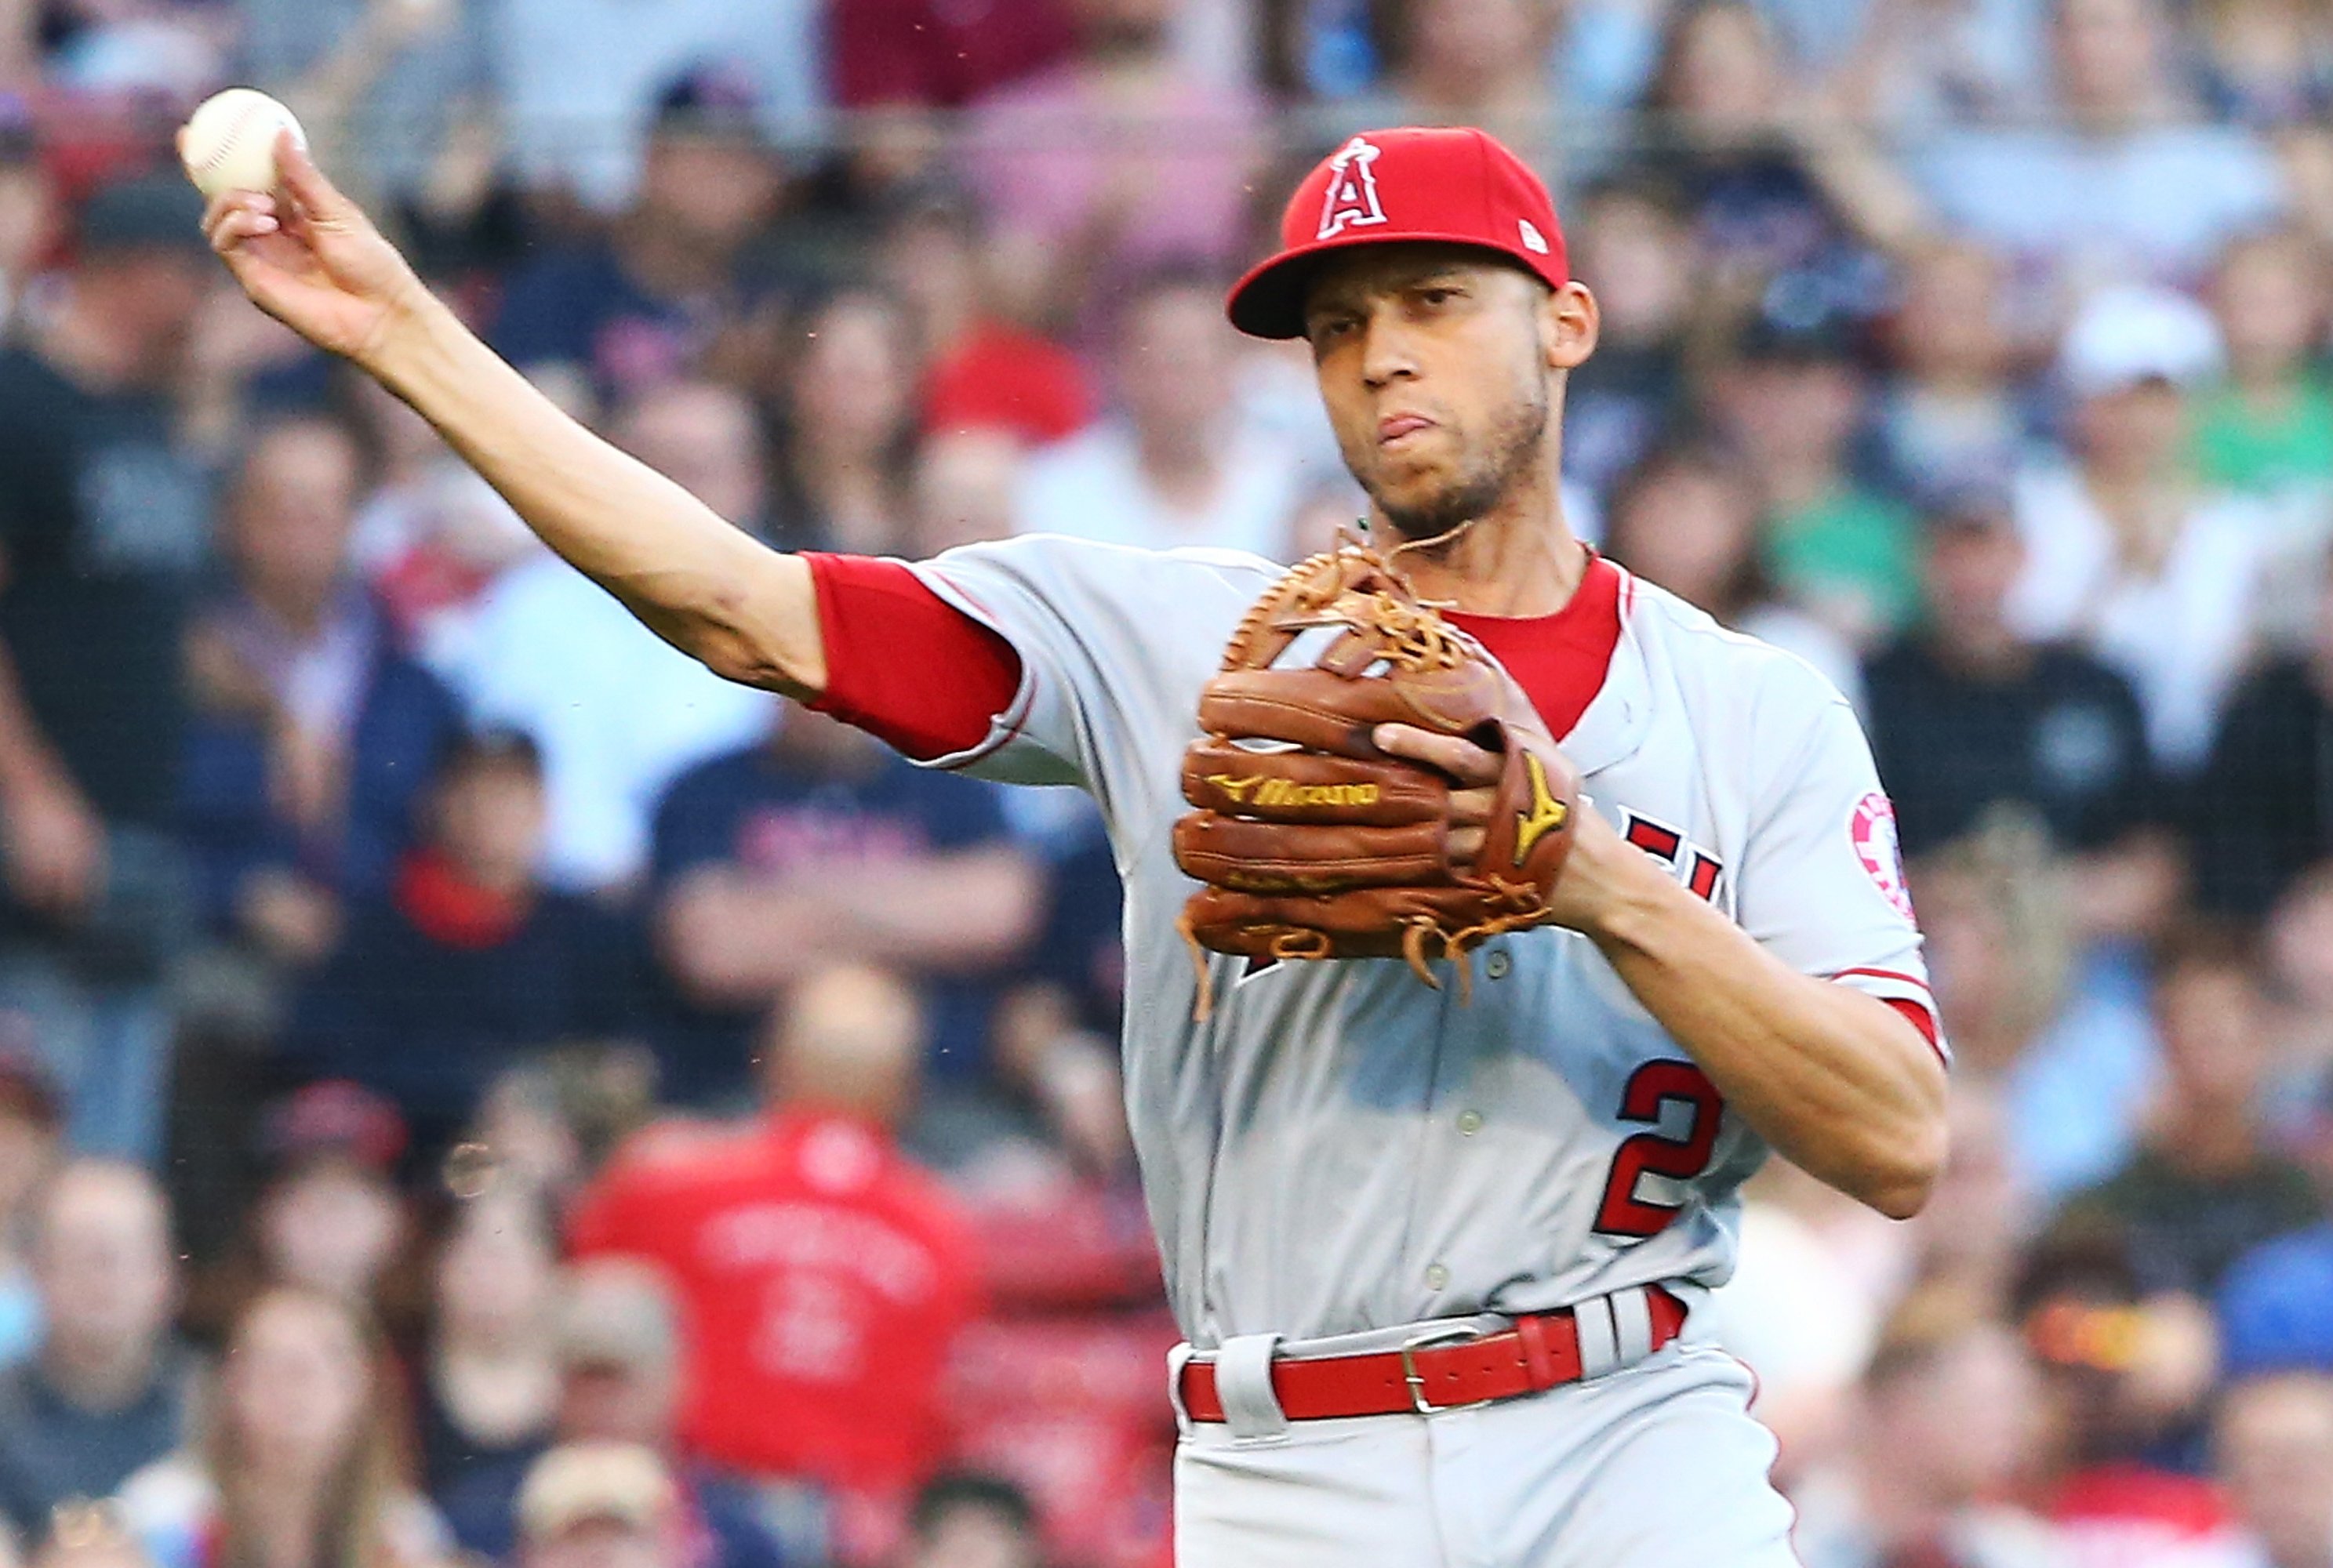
(1388, 350)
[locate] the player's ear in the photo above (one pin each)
(1568, 322)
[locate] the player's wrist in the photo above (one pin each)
(415, 332)
(1627, 898)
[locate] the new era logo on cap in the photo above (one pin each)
(1442, 184)
(1352, 194)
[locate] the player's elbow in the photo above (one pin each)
(1901, 1177)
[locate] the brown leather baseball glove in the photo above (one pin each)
(1313, 842)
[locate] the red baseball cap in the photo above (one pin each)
(1458, 185)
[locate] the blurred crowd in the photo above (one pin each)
(472, 1084)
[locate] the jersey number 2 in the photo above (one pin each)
(1650, 1087)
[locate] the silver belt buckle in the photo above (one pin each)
(1457, 1333)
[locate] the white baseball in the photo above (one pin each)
(230, 141)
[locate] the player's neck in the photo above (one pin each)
(1520, 559)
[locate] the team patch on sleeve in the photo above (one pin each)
(1871, 828)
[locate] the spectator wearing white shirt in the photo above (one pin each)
(617, 712)
(1175, 465)
(2125, 552)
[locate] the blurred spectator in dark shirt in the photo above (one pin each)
(1950, 413)
(1685, 518)
(1634, 248)
(885, 53)
(104, 520)
(617, 710)
(616, 1337)
(299, 1460)
(2073, 199)
(1949, 1418)
(1966, 716)
(1782, 217)
(2201, 1189)
(981, 371)
(1174, 464)
(311, 732)
(822, 1276)
(489, 1382)
(2126, 551)
(1792, 402)
(466, 961)
(2263, 812)
(109, 1390)
(647, 304)
(1114, 162)
(2273, 1451)
(847, 414)
(967, 1520)
(820, 846)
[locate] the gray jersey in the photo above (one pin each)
(1339, 1148)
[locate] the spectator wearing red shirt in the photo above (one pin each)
(981, 370)
(822, 1276)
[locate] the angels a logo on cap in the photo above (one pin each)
(1352, 196)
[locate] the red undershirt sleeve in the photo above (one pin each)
(903, 664)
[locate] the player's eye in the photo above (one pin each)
(1433, 296)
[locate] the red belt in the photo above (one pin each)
(1438, 1371)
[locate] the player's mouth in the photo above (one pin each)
(1395, 427)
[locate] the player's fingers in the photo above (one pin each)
(1466, 844)
(226, 203)
(1471, 808)
(1461, 758)
(316, 196)
(238, 225)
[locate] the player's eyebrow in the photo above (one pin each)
(1352, 292)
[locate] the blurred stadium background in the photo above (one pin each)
(398, 946)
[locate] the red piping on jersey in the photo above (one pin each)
(902, 663)
(1912, 980)
(1923, 1014)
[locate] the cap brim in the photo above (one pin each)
(1268, 302)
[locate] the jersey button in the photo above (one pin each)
(1497, 965)
(1437, 1277)
(1470, 1123)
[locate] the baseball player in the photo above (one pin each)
(1438, 1255)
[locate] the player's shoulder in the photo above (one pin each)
(1749, 674)
(1083, 577)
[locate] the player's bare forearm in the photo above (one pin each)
(711, 590)
(1835, 1081)
(308, 256)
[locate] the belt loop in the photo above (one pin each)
(1538, 1357)
(1243, 1383)
(1599, 1352)
(1632, 1325)
(1177, 1360)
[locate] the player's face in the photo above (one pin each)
(1442, 373)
